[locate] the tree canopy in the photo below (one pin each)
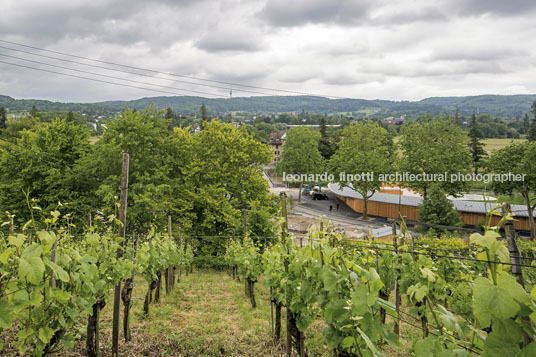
(365, 147)
(516, 158)
(300, 152)
(45, 164)
(435, 147)
(438, 209)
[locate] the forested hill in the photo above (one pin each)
(505, 106)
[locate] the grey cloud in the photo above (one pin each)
(230, 41)
(299, 12)
(494, 7)
(122, 21)
(477, 53)
(424, 13)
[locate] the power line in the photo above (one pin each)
(175, 74)
(127, 72)
(100, 80)
(108, 76)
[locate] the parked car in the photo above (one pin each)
(319, 196)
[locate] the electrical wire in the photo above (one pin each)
(129, 72)
(174, 74)
(108, 76)
(100, 80)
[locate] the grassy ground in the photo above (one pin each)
(495, 144)
(207, 314)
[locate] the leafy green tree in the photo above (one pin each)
(300, 153)
(228, 174)
(438, 209)
(34, 113)
(70, 117)
(3, 118)
(531, 134)
(15, 128)
(204, 115)
(45, 163)
(435, 147)
(325, 144)
(476, 145)
(458, 118)
(145, 136)
(526, 123)
(365, 147)
(516, 158)
(259, 135)
(169, 114)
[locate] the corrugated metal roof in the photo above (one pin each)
(377, 197)
(459, 205)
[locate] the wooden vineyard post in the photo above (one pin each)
(515, 255)
(126, 294)
(53, 260)
(89, 222)
(397, 295)
(122, 230)
(169, 279)
(11, 224)
(183, 249)
(284, 230)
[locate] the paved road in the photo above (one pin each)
(344, 217)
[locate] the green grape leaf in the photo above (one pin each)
(418, 291)
(60, 273)
(5, 255)
(329, 278)
(17, 240)
(335, 311)
(348, 342)
(495, 346)
(31, 269)
(490, 301)
(47, 240)
(516, 291)
(528, 351)
(45, 334)
(359, 300)
(5, 314)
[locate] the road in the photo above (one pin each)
(344, 217)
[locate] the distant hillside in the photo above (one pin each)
(46, 105)
(497, 105)
(505, 106)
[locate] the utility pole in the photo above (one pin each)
(122, 230)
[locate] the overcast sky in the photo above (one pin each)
(387, 49)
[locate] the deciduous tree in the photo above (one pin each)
(435, 147)
(517, 158)
(3, 118)
(300, 153)
(531, 134)
(438, 209)
(365, 147)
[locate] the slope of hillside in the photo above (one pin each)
(505, 106)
